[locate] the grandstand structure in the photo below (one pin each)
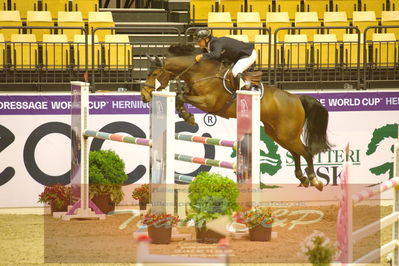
(301, 44)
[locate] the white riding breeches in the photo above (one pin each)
(244, 63)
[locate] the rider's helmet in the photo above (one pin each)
(201, 34)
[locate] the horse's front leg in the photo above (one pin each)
(182, 111)
(198, 101)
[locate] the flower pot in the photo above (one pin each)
(160, 235)
(260, 232)
(55, 208)
(205, 235)
(104, 203)
(143, 204)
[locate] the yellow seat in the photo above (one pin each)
(85, 6)
(384, 52)
(220, 19)
(3, 51)
(240, 37)
(290, 6)
(56, 51)
(232, 6)
(3, 4)
(79, 52)
(336, 19)
(391, 18)
(55, 6)
(351, 56)
(261, 6)
(307, 19)
(10, 19)
(326, 50)
(275, 20)
(374, 5)
(364, 19)
(101, 19)
(39, 19)
(346, 5)
(319, 6)
(249, 19)
(24, 51)
(262, 49)
(70, 19)
(23, 6)
(296, 50)
(199, 10)
(118, 51)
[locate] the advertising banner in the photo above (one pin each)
(35, 142)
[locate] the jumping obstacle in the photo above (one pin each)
(345, 235)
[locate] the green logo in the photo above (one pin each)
(270, 160)
(380, 135)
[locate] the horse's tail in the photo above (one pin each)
(316, 122)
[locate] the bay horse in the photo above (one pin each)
(285, 116)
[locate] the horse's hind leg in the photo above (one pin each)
(298, 171)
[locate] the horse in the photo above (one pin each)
(285, 116)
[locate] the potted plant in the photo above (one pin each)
(211, 195)
(160, 227)
(106, 177)
(142, 194)
(259, 222)
(58, 196)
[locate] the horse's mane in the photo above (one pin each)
(183, 50)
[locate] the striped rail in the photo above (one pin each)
(368, 193)
(184, 178)
(205, 161)
(206, 140)
(117, 137)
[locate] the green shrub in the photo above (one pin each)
(211, 195)
(106, 174)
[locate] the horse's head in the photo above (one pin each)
(156, 73)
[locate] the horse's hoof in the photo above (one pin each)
(304, 181)
(317, 183)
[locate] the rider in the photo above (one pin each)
(242, 54)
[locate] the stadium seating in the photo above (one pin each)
(220, 19)
(3, 4)
(346, 5)
(336, 19)
(319, 6)
(79, 52)
(307, 19)
(391, 18)
(56, 51)
(101, 19)
(364, 19)
(261, 6)
(118, 51)
(326, 50)
(232, 6)
(290, 6)
(70, 19)
(55, 6)
(351, 56)
(10, 19)
(23, 6)
(249, 19)
(39, 19)
(24, 51)
(3, 55)
(384, 52)
(262, 48)
(240, 37)
(85, 6)
(296, 51)
(275, 20)
(199, 10)
(374, 5)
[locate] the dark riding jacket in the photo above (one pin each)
(227, 49)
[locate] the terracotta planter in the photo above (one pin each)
(205, 235)
(160, 235)
(54, 208)
(260, 232)
(104, 203)
(143, 204)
